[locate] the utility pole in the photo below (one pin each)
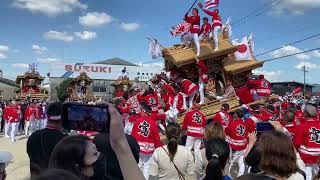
(304, 82)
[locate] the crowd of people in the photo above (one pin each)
(19, 116)
(229, 145)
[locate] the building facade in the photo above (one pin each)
(284, 88)
(103, 74)
(7, 88)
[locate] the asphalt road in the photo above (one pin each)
(18, 169)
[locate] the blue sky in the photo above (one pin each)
(51, 31)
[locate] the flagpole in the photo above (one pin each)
(192, 6)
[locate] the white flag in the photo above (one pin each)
(251, 42)
(243, 51)
(155, 48)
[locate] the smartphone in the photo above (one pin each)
(84, 117)
(264, 126)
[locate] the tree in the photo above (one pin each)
(62, 90)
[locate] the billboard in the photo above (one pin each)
(103, 71)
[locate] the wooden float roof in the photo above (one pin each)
(180, 57)
(239, 66)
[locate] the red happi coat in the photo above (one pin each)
(223, 118)
(10, 114)
(195, 23)
(205, 29)
(152, 100)
(237, 134)
(203, 70)
(307, 141)
(29, 114)
(188, 87)
(262, 87)
(195, 124)
(216, 19)
(145, 131)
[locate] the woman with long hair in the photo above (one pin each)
(218, 156)
(277, 158)
(76, 154)
(213, 131)
(172, 161)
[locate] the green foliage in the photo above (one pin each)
(62, 90)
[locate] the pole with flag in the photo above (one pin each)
(211, 4)
(192, 6)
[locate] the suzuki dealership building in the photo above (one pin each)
(103, 74)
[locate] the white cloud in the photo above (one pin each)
(56, 35)
(95, 19)
(4, 50)
(129, 26)
(39, 49)
(308, 65)
(49, 7)
(86, 35)
(20, 65)
(287, 50)
(49, 60)
(295, 7)
(270, 75)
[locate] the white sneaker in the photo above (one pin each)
(12, 140)
(186, 47)
(7, 136)
(216, 49)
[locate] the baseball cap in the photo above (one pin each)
(5, 157)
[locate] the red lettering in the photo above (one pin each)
(77, 68)
(103, 69)
(94, 68)
(86, 68)
(68, 67)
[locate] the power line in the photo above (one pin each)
(289, 44)
(257, 12)
(303, 52)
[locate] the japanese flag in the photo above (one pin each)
(243, 51)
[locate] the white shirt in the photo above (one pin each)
(162, 167)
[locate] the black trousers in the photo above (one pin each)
(2, 125)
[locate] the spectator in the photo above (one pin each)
(172, 161)
(5, 158)
(56, 174)
(213, 131)
(103, 144)
(277, 158)
(41, 143)
(218, 155)
(76, 154)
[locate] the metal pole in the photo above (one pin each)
(304, 82)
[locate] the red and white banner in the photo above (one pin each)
(211, 4)
(180, 28)
(243, 51)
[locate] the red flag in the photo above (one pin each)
(296, 90)
(211, 4)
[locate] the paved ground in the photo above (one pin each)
(19, 168)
